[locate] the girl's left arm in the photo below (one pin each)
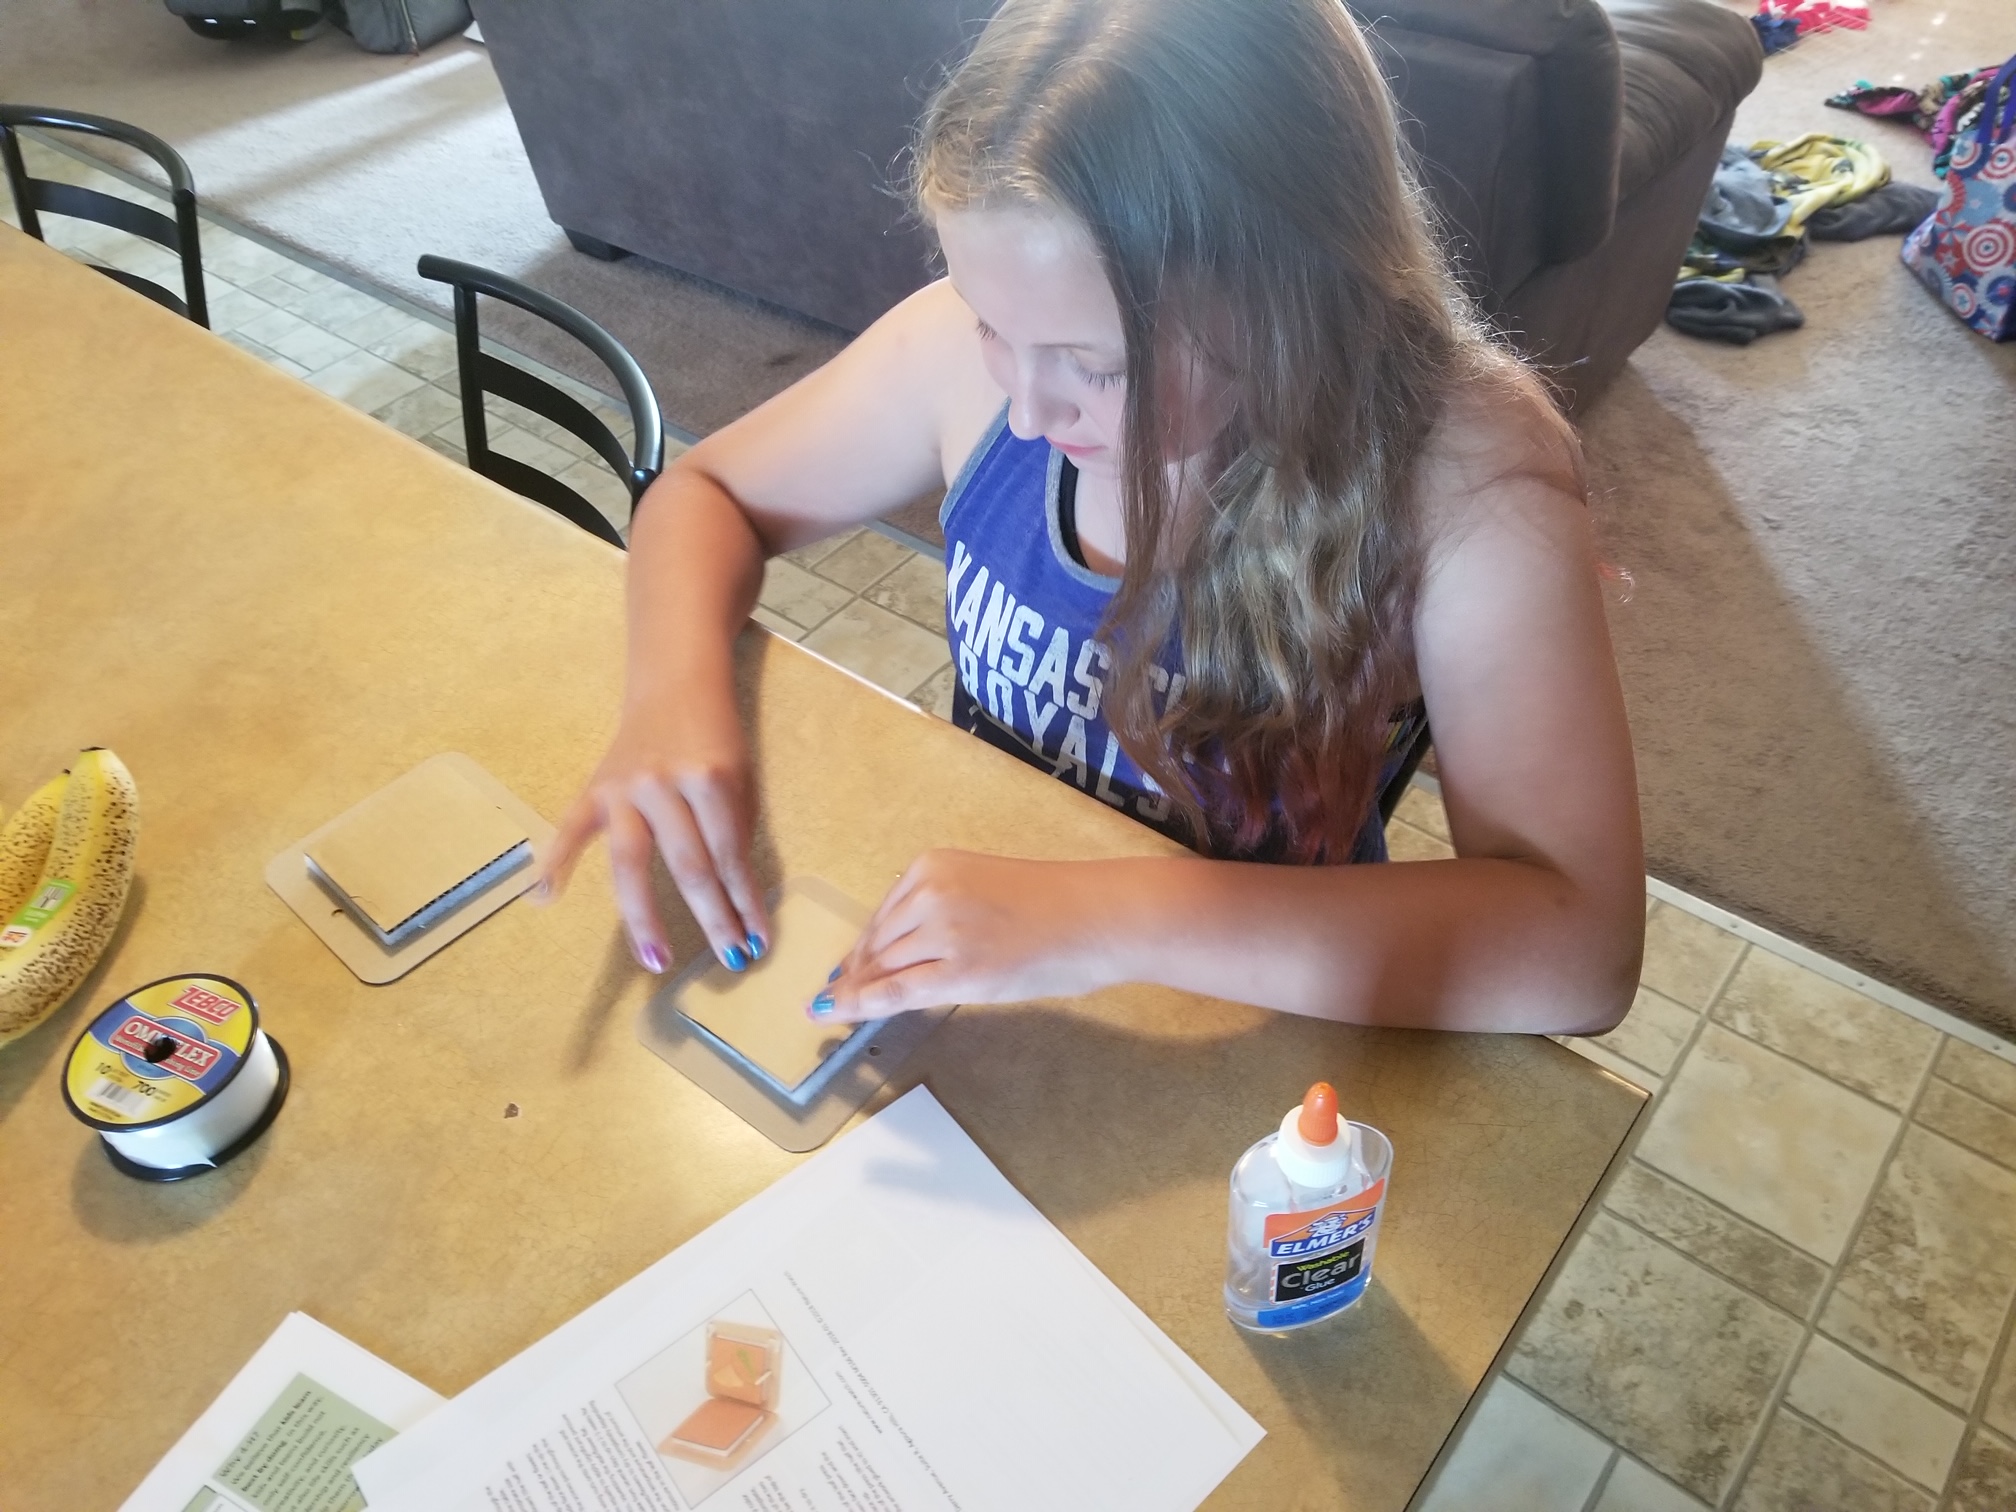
(1536, 926)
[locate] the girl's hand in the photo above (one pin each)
(685, 784)
(965, 928)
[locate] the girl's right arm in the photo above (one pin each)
(882, 423)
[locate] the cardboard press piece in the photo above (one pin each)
(759, 1012)
(745, 1037)
(414, 866)
(413, 852)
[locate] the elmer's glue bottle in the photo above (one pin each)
(1306, 1202)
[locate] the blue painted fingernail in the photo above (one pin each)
(834, 974)
(822, 1005)
(755, 948)
(733, 958)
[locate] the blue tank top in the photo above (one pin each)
(1023, 618)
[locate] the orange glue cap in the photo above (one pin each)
(1318, 1123)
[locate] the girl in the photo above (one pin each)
(1238, 483)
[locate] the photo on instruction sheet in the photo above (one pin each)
(721, 1396)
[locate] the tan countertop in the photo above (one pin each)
(270, 605)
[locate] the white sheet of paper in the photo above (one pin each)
(315, 1395)
(944, 1348)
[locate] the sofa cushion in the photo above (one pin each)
(1686, 64)
(1574, 172)
(1483, 183)
(1538, 28)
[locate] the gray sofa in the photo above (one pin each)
(753, 143)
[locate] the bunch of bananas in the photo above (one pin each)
(66, 864)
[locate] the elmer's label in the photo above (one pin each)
(1318, 1260)
(43, 905)
(160, 1051)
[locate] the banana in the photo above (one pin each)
(49, 945)
(24, 844)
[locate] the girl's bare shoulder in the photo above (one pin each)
(937, 345)
(1502, 448)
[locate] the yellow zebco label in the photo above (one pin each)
(160, 1051)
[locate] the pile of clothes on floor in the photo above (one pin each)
(1943, 110)
(1767, 202)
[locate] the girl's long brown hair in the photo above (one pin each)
(1240, 157)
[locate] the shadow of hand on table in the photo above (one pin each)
(619, 969)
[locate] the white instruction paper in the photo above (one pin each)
(283, 1435)
(891, 1327)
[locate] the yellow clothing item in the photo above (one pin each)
(1817, 170)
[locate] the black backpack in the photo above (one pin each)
(380, 26)
(241, 20)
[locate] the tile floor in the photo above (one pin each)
(1795, 1295)
(1797, 1291)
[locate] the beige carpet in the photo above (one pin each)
(1820, 652)
(1821, 528)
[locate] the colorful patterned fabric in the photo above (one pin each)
(1948, 105)
(1965, 253)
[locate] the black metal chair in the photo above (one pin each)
(1417, 747)
(33, 197)
(482, 373)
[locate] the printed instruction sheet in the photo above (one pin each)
(891, 1327)
(283, 1435)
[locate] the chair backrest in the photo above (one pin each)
(33, 196)
(482, 373)
(1395, 786)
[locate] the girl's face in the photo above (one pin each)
(1051, 336)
